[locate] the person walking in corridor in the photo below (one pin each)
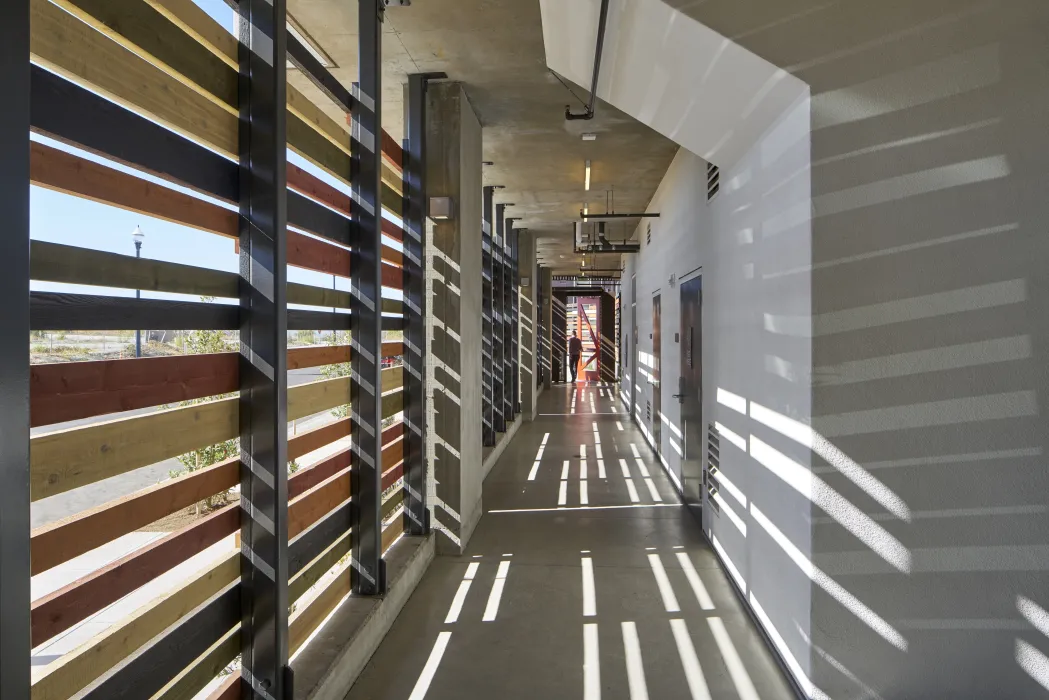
(575, 350)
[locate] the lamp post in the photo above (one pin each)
(138, 237)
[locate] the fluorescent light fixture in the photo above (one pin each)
(586, 210)
(587, 182)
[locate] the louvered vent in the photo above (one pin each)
(713, 181)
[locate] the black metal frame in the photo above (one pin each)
(487, 326)
(515, 322)
(508, 320)
(416, 514)
(369, 571)
(264, 350)
(14, 352)
(498, 323)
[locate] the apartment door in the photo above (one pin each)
(690, 394)
(656, 373)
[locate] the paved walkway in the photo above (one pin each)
(585, 578)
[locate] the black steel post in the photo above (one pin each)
(487, 427)
(264, 349)
(498, 323)
(417, 520)
(369, 576)
(508, 322)
(515, 329)
(138, 295)
(14, 351)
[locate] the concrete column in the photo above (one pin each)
(453, 169)
(529, 323)
(548, 322)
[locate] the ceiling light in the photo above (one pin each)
(590, 136)
(587, 183)
(586, 210)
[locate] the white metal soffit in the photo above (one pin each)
(665, 69)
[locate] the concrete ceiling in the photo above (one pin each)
(496, 49)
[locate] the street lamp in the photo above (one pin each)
(137, 236)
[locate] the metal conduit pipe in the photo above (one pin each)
(589, 113)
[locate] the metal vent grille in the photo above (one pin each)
(713, 181)
(710, 482)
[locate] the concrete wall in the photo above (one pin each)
(924, 457)
(737, 250)
(454, 169)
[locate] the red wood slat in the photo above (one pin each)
(317, 438)
(70, 390)
(70, 537)
(314, 504)
(315, 188)
(229, 690)
(299, 358)
(392, 350)
(392, 277)
(392, 150)
(314, 254)
(75, 602)
(392, 433)
(305, 479)
(390, 477)
(392, 230)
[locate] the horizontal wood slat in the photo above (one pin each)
(172, 98)
(68, 173)
(317, 502)
(391, 533)
(316, 569)
(54, 262)
(229, 690)
(55, 311)
(66, 459)
(58, 542)
(186, 685)
(392, 151)
(77, 669)
(60, 610)
(299, 358)
(71, 390)
(307, 478)
(392, 404)
(392, 474)
(61, 541)
(392, 502)
(304, 443)
(179, 648)
(309, 617)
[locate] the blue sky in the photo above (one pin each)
(62, 218)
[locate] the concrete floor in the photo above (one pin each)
(656, 619)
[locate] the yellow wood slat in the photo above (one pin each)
(323, 394)
(67, 459)
(209, 33)
(310, 615)
(316, 569)
(65, 45)
(192, 680)
(80, 667)
(392, 403)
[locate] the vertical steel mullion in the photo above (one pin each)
(415, 307)
(498, 348)
(264, 350)
(487, 426)
(14, 352)
(515, 329)
(508, 315)
(369, 576)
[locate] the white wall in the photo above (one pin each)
(758, 226)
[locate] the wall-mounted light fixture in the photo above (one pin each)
(441, 208)
(586, 184)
